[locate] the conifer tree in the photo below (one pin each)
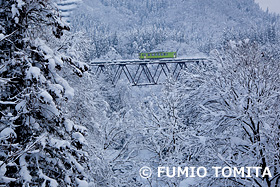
(38, 145)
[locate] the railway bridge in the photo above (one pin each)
(144, 72)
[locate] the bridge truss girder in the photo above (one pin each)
(143, 72)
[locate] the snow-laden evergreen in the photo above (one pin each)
(39, 145)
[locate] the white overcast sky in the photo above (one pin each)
(272, 5)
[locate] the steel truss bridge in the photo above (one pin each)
(144, 72)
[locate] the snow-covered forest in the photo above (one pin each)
(61, 125)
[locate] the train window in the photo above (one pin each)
(161, 54)
(149, 54)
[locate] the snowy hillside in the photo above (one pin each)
(132, 26)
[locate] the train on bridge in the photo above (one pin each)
(157, 55)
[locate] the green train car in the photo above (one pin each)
(157, 55)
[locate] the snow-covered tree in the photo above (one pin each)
(247, 85)
(39, 146)
(239, 114)
(226, 115)
(111, 125)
